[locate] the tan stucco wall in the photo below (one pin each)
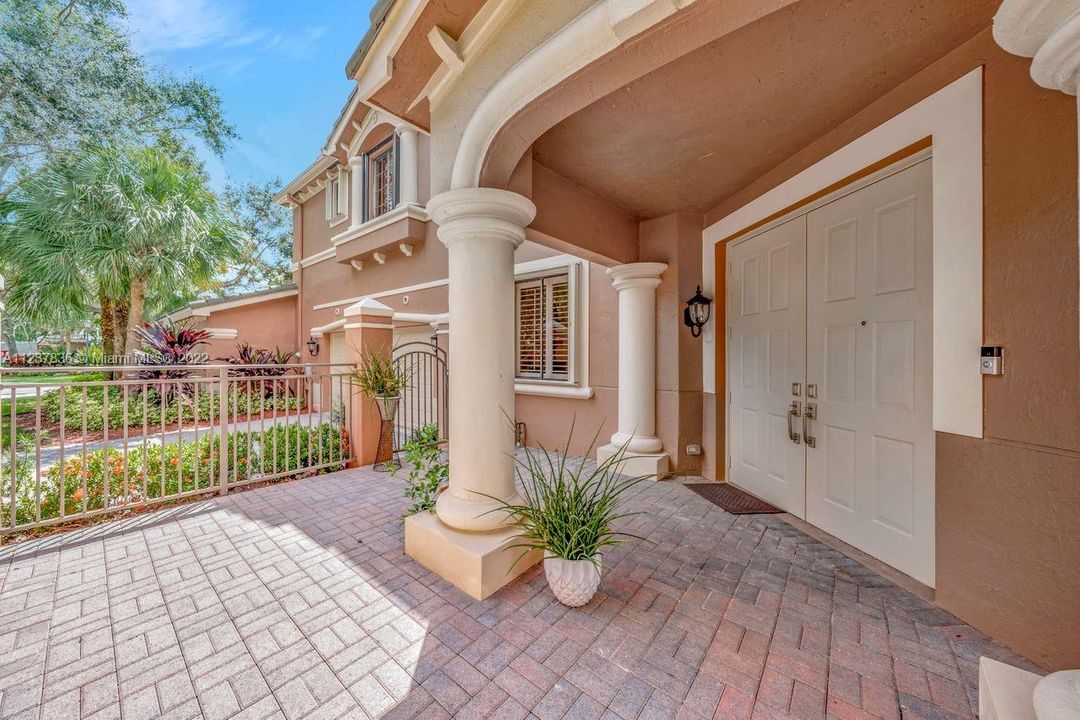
(1008, 541)
(266, 324)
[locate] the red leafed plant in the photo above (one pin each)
(256, 362)
(164, 343)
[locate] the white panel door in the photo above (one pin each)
(870, 473)
(766, 354)
(337, 385)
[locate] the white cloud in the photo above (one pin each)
(164, 25)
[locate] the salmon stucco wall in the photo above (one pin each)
(1008, 554)
(269, 324)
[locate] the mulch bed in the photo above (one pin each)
(732, 499)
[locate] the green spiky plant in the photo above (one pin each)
(377, 376)
(570, 509)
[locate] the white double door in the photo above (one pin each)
(829, 368)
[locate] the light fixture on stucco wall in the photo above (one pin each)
(312, 346)
(697, 311)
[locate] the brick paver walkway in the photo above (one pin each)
(297, 601)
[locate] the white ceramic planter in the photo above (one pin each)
(574, 582)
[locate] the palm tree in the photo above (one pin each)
(107, 230)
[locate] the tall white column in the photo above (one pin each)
(408, 171)
(481, 228)
(636, 284)
(469, 541)
(356, 190)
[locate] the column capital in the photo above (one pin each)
(639, 274)
(403, 129)
(481, 213)
(1048, 31)
(356, 161)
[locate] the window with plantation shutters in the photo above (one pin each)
(544, 335)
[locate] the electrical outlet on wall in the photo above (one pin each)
(693, 449)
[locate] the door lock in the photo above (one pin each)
(810, 414)
(796, 389)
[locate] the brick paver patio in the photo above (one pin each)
(297, 601)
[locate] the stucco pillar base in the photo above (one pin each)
(476, 563)
(1005, 692)
(635, 464)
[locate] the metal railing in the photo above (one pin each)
(86, 441)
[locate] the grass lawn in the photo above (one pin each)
(10, 378)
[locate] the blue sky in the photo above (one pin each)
(278, 65)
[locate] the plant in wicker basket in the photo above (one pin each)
(570, 510)
(379, 378)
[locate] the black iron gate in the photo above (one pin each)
(424, 399)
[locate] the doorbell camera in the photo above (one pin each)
(992, 360)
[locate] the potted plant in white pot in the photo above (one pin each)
(379, 378)
(570, 510)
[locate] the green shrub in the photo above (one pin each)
(428, 472)
(294, 447)
(158, 471)
(151, 408)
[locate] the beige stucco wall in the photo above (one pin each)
(1008, 554)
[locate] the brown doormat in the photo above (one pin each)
(732, 499)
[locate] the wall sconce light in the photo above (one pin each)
(312, 346)
(697, 311)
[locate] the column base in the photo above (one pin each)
(636, 464)
(1005, 691)
(477, 563)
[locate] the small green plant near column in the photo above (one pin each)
(570, 510)
(428, 472)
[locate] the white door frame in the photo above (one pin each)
(952, 117)
(853, 187)
(729, 304)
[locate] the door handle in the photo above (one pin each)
(793, 412)
(810, 414)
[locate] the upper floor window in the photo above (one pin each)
(381, 170)
(335, 204)
(545, 337)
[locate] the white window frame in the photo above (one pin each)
(335, 198)
(387, 148)
(577, 272)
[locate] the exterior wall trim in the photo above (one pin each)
(416, 212)
(953, 118)
(318, 257)
(207, 310)
(328, 328)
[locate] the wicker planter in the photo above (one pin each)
(573, 582)
(384, 454)
(388, 407)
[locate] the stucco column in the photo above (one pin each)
(356, 190)
(481, 228)
(408, 172)
(369, 328)
(469, 541)
(636, 284)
